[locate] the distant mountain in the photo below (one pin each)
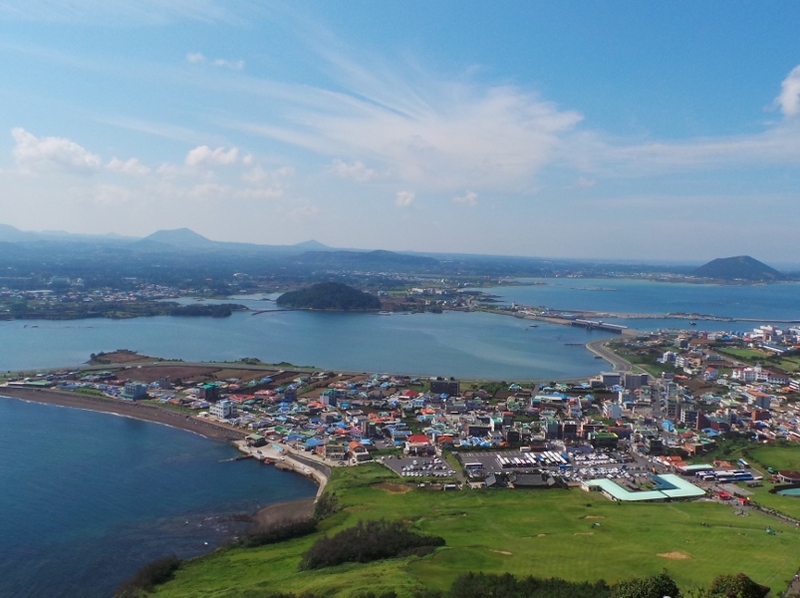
(311, 245)
(181, 238)
(333, 296)
(742, 267)
(13, 234)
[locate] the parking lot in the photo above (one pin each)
(418, 467)
(578, 467)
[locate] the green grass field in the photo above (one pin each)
(543, 533)
(778, 458)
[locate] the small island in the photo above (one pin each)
(741, 268)
(330, 296)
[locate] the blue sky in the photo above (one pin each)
(616, 130)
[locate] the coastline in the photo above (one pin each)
(301, 507)
(140, 411)
(283, 457)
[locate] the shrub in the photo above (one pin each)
(279, 531)
(736, 586)
(149, 576)
(327, 504)
(656, 586)
(482, 585)
(365, 542)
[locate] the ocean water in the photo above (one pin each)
(472, 345)
(88, 498)
(465, 345)
(777, 301)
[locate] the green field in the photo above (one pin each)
(543, 533)
(778, 457)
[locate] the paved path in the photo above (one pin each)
(617, 363)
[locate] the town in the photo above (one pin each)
(640, 434)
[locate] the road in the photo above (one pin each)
(617, 363)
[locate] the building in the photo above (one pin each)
(632, 381)
(209, 392)
(418, 444)
(450, 387)
(358, 452)
(612, 410)
(133, 391)
(336, 450)
(222, 409)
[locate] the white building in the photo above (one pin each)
(222, 409)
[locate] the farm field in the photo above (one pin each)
(552, 533)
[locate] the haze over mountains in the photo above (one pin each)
(58, 253)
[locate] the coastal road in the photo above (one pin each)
(617, 363)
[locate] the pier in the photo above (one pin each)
(599, 325)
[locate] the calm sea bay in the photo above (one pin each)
(87, 498)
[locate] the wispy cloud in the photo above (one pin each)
(464, 134)
(200, 58)
(117, 13)
(599, 155)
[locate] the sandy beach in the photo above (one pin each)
(142, 411)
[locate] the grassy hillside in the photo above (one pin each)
(542, 533)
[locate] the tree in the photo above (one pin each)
(736, 586)
(656, 586)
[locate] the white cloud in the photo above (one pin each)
(404, 199)
(789, 98)
(470, 199)
(436, 134)
(200, 58)
(357, 171)
(36, 154)
(234, 65)
(131, 167)
(204, 155)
